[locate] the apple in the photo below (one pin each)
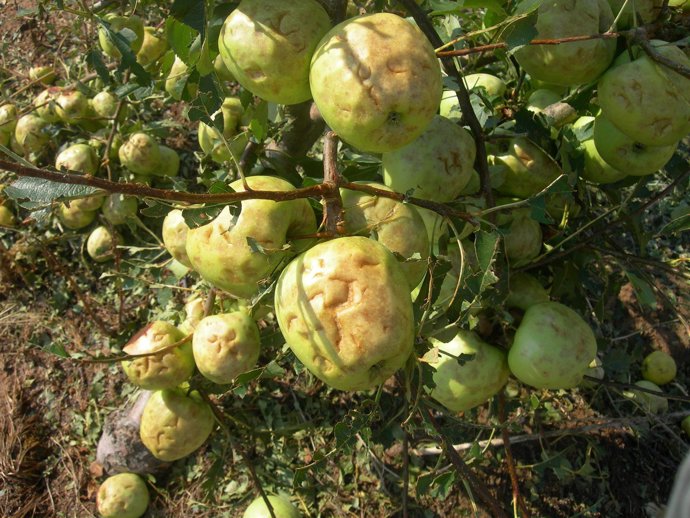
(73, 217)
(649, 402)
(174, 423)
(648, 102)
(267, 46)
(210, 138)
(344, 309)
(117, 209)
(596, 169)
(376, 81)
(130, 27)
(571, 63)
(523, 239)
(221, 253)
(624, 154)
(282, 508)
(659, 368)
(225, 346)
(525, 167)
(463, 386)
(8, 118)
(81, 158)
(175, 236)
(105, 104)
(124, 495)
(194, 312)
(435, 166)
(552, 348)
(31, 134)
(685, 424)
(640, 11)
(525, 291)
(43, 74)
(169, 162)
(221, 70)
(141, 154)
(397, 226)
(153, 47)
(494, 87)
(155, 371)
(100, 244)
(7, 218)
(46, 104)
(72, 106)
(541, 98)
(178, 80)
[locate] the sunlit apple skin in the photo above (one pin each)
(44, 74)
(30, 133)
(571, 63)
(175, 236)
(461, 387)
(77, 157)
(178, 80)
(659, 368)
(73, 217)
(398, 226)
(141, 154)
(540, 99)
(152, 48)
(282, 508)
(344, 309)
(174, 424)
(648, 102)
(117, 24)
(226, 345)
(650, 402)
(124, 495)
(118, 208)
(8, 118)
(46, 104)
(376, 81)
(267, 46)
(100, 244)
(220, 252)
(7, 218)
(435, 166)
(72, 106)
(525, 291)
(624, 154)
(553, 347)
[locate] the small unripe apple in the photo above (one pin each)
(78, 157)
(105, 105)
(344, 308)
(46, 104)
(87, 203)
(175, 423)
(463, 386)
(540, 99)
(43, 74)
(169, 164)
(72, 106)
(225, 346)
(435, 166)
(101, 243)
(124, 495)
(221, 70)
(141, 154)
(31, 133)
(8, 118)
(118, 208)
(282, 508)
(267, 46)
(650, 402)
(152, 47)
(7, 218)
(175, 236)
(525, 291)
(130, 27)
(553, 347)
(166, 369)
(523, 239)
(194, 312)
(376, 81)
(526, 168)
(659, 368)
(73, 217)
(178, 80)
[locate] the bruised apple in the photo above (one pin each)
(175, 236)
(344, 309)
(553, 347)
(282, 508)
(101, 243)
(122, 496)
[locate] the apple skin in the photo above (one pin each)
(648, 102)
(72, 106)
(164, 370)
(624, 154)
(8, 118)
(219, 250)
(282, 508)
(685, 424)
(169, 162)
(175, 236)
(30, 133)
(541, 98)
(526, 168)
(523, 240)
(44, 74)
(46, 104)
(100, 244)
(267, 46)
(140, 154)
(650, 402)
(152, 48)
(397, 226)
(7, 218)
(117, 24)
(124, 495)
(178, 80)
(117, 209)
(553, 347)
(73, 217)
(494, 87)
(461, 387)
(659, 368)
(225, 346)
(525, 291)
(436, 166)
(174, 424)
(78, 157)
(376, 81)
(570, 63)
(345, 310)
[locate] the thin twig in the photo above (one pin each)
(333, 203)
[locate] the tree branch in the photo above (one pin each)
(333, 203)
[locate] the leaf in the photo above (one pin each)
(520, 34)
(180, 36)
(128, 59)
(95, 61)
(40, 192)
(259, 123)
(678, 225)
(643, 290)
(190, 12)
(200, 216)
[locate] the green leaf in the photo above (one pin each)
(180, 37)
(39, 192)
(259, 123)
(192, 13)
(95, 61)
(643, 290)
(57, 350)
(520, 33)
(197, 217)
(680, 224)
(485, 246)
(128, 59)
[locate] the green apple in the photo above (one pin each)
(7, 218)
(152, 48)
(130, 27)
(571, 63)
(523, 239)
(224, 252)
(124, 495)
(624, 154)
(685, 424)
(221, 70)
(649, 402)
(175, 423)
(282, 508)
(644, 11)
(597, 169)
(43, 74)
(105, 105)
(31, 134)
(87, 203)
(194, 312)
(397, 226)
(540, 99)
(73, 217)
(178, 80)
(72, 106)
(117, 209)
(648, 102)
(267, 46)
(525, 291)
(659, 368)
(553, 347)
(78, 157)
(46, 104)
(463, 386)
(376, 81)
(225, 346)
(101, 243)
(525, 167)
(158, 370)
(450, 106)
(141, 154)
(210, 138)
(435, 166)
(175, 236)
(344, 309)
(8, 118)
(169, 162)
